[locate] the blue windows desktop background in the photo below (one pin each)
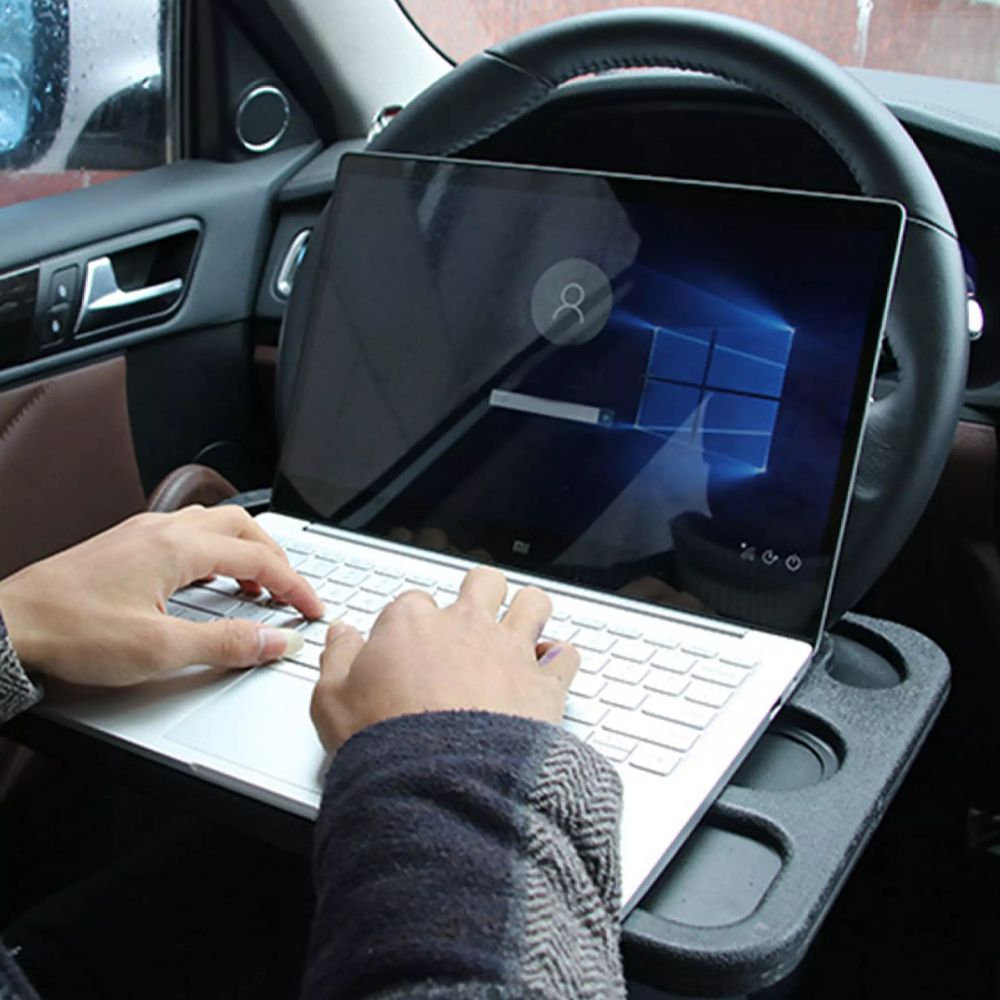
(724, 378)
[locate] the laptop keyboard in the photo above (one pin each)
(646, 689)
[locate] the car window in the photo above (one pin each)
(83, 92)
(951, 38)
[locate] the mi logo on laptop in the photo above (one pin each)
(521, 548)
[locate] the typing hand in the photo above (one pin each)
(95, 614)
(421, 658)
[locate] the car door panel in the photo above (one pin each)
(84, 439)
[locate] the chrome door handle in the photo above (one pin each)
(102, 297)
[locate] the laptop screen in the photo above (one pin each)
(652, 388)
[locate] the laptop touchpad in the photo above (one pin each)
(262, 723)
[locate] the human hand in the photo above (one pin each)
(96, 613)
(421, 658)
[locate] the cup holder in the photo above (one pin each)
(797, 751)
(862, 659)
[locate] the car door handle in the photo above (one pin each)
(104, 301)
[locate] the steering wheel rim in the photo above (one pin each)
(909, 432)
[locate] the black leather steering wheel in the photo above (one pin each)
(910, 431)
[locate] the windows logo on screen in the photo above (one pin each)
(729, 378)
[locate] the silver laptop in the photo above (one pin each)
(643, 395)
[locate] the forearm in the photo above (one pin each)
(16, 690)
(467, 855)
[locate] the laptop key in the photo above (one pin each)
(200, 617)
(627, 673)
(336, 593)
(677, 663)
(315, 632)
(624, 633)
(358, 563)
(596, 642)
(285, 618)
(614, 740)
(663, 640)
(317, 567)
(615, 754)
(333, 612)
(623, 695)
(308, 656)
(176, 610)
(650, 730)
(578, 729)
(702, 652)
(705, 693)
(585, 622)
(351, 576)
(378, 584)
(657, 761)
(663, 682)
(206, 600)
(556, 631)
(421, 581)
(720, 673)
(638, 652)
(251, 612)
(359, 620)
(740, 660)
(586, 685)
(678, 710)
(592, 663)
(584, 710)
(369, 603)
(223, 585)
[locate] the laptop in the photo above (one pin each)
(645, 396)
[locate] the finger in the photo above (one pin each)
(411, 595)
(343, 643)
(484, 589)
(234, 520)
(250, 588)
(246, 560)
(559, 659)
(229, 642)
(528, 613)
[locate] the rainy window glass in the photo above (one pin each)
(82, 92)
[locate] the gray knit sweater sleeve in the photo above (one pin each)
(469, 856)
(16, 691)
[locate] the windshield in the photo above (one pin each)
(951, 38)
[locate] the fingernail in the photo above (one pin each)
(551, 654)
(278, 642)
(336, 628)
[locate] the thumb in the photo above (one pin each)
(343, 643)
(233, 643)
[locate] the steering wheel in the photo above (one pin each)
(910, 431)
